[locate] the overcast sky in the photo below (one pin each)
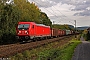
(66, 11)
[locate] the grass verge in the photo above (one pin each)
(67, 52)
(52, 51)
(64, 53)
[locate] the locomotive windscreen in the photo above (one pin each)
(23, 26)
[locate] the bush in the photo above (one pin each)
(19, 56)
(49, 54)
(26, 55)
(8, 38)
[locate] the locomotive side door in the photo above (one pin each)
(32, 32)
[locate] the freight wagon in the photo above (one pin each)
(68, 32)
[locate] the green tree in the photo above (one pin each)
(29, 11)
(45, 19)
(8, 20)
(62, 26)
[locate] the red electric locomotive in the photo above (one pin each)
(31, 30)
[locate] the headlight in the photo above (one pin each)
(26, 32)
(19, 32)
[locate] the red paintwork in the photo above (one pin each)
(35, 30)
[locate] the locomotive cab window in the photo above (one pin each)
(23, 26)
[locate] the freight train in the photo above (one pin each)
(31, 31)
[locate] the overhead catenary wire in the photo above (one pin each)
(55, 12)
(64, 15)
(48, 10)
(61, 13)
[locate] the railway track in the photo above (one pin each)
(9, 50)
